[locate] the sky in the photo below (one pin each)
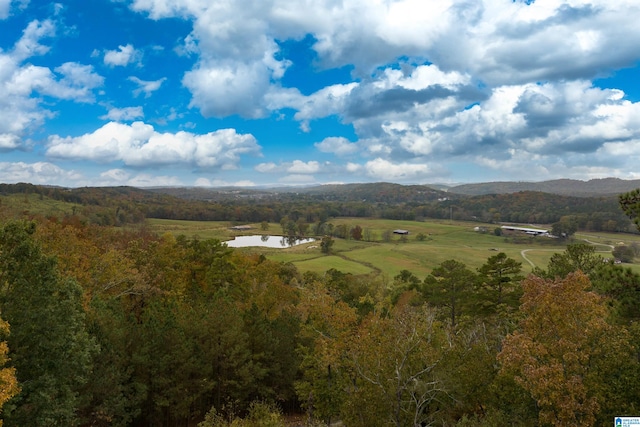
(254, 93)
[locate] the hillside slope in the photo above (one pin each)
(568, 187)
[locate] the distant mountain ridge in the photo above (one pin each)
(565, 187)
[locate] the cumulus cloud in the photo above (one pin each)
(36, 173)
(9, 142)
(498, 41)
(486, 41)
(339, 146)
(117, 177)
(381, 169)
(24, 85)
(300, 167)
(222, 88)
(266, 167)
(122, 56)
(146, 87)
(140, 145)
(29, 44)
(123, 114)
(494, 83)
(297, 167)
(72, 81)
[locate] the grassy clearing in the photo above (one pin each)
(444, 240)
(322, 264)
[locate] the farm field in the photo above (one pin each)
(443, 240)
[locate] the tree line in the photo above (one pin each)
(125, 205)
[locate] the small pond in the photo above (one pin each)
(266, 241)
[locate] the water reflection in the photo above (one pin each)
(267, 241)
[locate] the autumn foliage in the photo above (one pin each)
(563, 349)
(113, 327)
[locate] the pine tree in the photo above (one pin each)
(49, 345)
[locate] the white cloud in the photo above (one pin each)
(300, 167)
(339, 146)
(297, 167)
(353, 167)
(496, 42)
(146, 87)
(29, 44)
(421, 77)
(140, 145)
(267, 167)
(123, 114)
(9, 142)
(116, 177)
(381, 169)
(4, 8)
(24, 85)
(223, 88)
(77, 82)
(123, 56)
(36, 173)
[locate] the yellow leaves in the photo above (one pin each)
(562, 337)
(8, 382)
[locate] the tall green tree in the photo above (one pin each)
(499, 282)
(49, 344)
(449, 285)
(565, 228)
(577, 257)
(630, 204)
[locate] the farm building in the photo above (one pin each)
(403, 232)
(241, 227)
(525, 230)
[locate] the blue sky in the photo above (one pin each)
(298, 92)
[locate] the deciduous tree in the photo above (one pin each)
(396, 357)
(565, 353)
(8, 382)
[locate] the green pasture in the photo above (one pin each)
(220, 230)
(444, 240)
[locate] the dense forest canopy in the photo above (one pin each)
(110, 326)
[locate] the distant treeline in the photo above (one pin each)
(122, 205)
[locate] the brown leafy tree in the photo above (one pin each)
(565, 352)
(396, 358)
(8, 382)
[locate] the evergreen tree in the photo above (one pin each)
(498, 284)
(49, 345)
(449, 286)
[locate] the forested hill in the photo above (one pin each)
(379, 192)
(568, 187)
(122, 205)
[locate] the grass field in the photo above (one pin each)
(444, 240)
